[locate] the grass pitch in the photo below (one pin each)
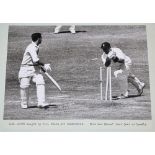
(70, 56)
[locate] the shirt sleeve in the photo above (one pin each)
(120, 55)
(111, 54)
(33, 54)
(103, 57)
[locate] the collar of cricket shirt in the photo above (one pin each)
(35, 44)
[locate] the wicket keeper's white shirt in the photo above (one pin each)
(116, 52)
(30, 57)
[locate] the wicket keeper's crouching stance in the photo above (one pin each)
(30, 70)
(124, 74)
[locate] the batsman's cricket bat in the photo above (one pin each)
(51, 78)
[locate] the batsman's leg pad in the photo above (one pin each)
(123, 82)
(40, 94)
(24, 93)
(134, 81)
(38, 79)
(40, 85)
(24, 82)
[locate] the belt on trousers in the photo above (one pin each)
(28, 65)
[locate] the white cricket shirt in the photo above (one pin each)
(31, 54)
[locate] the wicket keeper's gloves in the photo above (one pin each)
(115, 59)
(108, 62)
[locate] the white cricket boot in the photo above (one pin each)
(123, 96)
(43, 105)
(137, 83)
(56, 32)
(24, 106)
(126, 94)
(57, 29)
(72, 29)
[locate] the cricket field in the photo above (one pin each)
(75, 61)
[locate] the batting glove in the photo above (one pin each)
(47, 67)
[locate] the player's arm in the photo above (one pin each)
(109, 57)
(107, 62)
(116, 59)
(44, 67)
(112, 56)
(103, 58)
(36, 61)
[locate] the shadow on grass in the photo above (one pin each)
(32, 107)
(70, 32)
(130, 96)
(53, 106)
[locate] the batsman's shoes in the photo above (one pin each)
(126, 94)
(73, 31)
(24, 106)
(140, 90)
(43, 106)
(56, 32)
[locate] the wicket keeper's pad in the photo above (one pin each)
(122, 79)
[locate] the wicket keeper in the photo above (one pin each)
(123, 74)
(30, 71)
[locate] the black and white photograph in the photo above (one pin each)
(77, 72)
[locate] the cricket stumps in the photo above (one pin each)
(108, 90)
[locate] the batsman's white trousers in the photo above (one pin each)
(25, 78)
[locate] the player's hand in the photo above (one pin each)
(47, 67)
(118, 72)
(115, 59)
(108, 62)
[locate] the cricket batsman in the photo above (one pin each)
(30, 70)
(123, 74)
